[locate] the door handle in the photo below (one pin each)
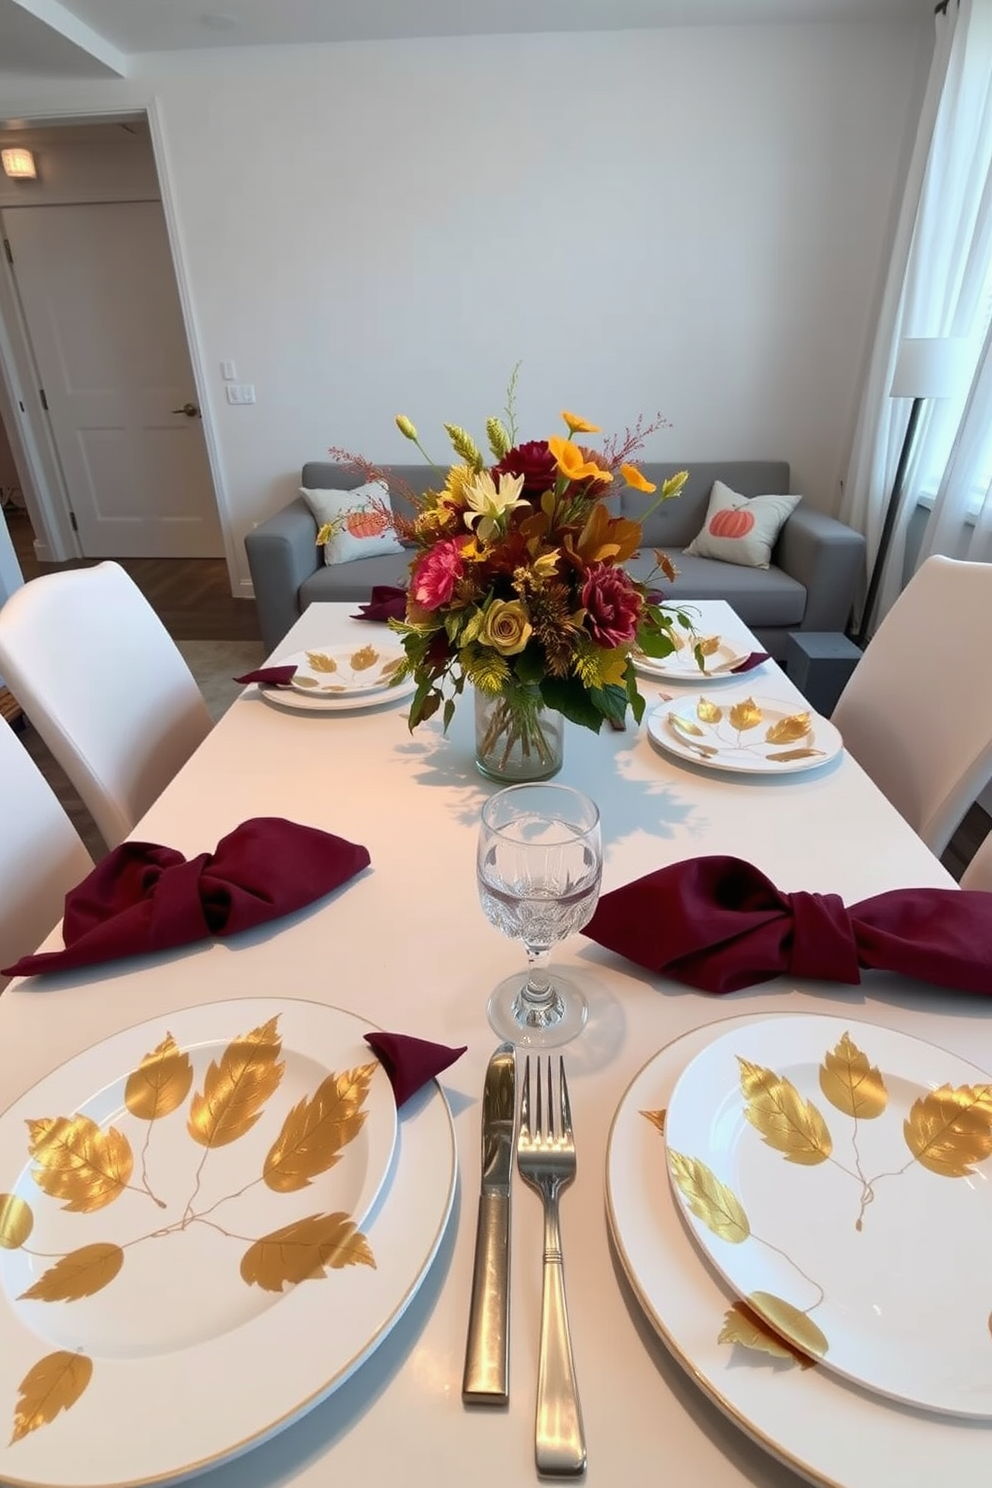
(189, 409)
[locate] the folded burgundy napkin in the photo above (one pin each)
(143, 897)
(385, 603)
(410, 1062)
(275, 676)
(719, 924)
(753, 660)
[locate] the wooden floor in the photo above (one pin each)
(193, 598)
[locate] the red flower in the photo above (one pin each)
(434, 578)
(534, 461)
(613, 605)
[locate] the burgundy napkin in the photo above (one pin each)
(143, 897)
(275, 676)
(385, 603)
(410, 1062)
(753, 660)
(719, 924)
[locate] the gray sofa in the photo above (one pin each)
(816, 563)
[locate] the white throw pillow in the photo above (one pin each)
(742, 530)
(362, 521)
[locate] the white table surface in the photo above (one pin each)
(407, 946)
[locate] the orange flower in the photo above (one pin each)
(573, 464)
(636, 479)
(578, 425)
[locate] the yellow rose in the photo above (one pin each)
(505, 627)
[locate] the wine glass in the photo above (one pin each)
(539, 865)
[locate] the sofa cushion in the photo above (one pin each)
(359, 521)
(353, 581)
(741, 529)
(760, 596)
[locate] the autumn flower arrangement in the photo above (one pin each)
(518, 582)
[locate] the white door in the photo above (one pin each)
(99, 296)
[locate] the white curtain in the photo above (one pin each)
(939, 284)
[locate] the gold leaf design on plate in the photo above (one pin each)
(306, 682)
(788, 730)
(302, 1250)
(160, 1083)
(317, 1128)
(709, 1199)
(54, 1384)
(851, 1082)
(708, 712)
(950, 1129)
(236, 1087)
(794, 1326)
(708, 645)
(390, 668)
(78, 1274)
(78, 1162)
(657, 1119)
(16, 1221)
(745, 715)
(365, 657)
(784, 1119)
(319, 661)
(741, 1324)
(685, 726)
(792, 754)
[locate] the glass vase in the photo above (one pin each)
(516, 737)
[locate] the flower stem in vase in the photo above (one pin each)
(517, 738)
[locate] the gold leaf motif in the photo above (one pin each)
(316, 1129)
(364, 658)
(319, 661)
(160, 1083)
(236, 1088)
(851, 1083)
(391, 667)
(741, 1324)
(16, 1221)
(685, 726)
(709, 1199)
(794, 1326)
(78, 1162)
(788, 730)
(785, 1120)
(793, 754)
(657, 1119)
(302, 1250)
(745, 715)
(709, 645)
(305, 682)
(950, 1129)
(54, 1384)
(708, 712)
(78, 1274)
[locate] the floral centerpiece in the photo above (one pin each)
(518, 587)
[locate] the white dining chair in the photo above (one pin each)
(917, 711)
(41, 853)
(100, 678)
(978, 874)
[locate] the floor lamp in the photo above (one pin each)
(926, 367)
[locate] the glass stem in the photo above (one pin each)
(538, 988)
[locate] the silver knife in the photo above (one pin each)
(487, 1351)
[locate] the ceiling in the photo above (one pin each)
(96, 38)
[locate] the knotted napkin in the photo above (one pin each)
(385, 603)
(143, 897)
(719, 924)
(272, 676)
(410, 1062)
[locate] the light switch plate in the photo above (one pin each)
(228, 371)
(240, 392)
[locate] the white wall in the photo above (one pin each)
(690, 220)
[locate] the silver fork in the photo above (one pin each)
(546, 1162)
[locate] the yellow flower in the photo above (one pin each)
(505, 627)
(405, 427)
(573, 464)
(578, 425)
(635, 479)
(490, 502)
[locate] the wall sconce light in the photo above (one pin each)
(19, 163)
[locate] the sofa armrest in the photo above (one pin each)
(827, 558)
(282, 552)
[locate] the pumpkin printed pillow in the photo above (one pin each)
(360, 522)
(739, 529)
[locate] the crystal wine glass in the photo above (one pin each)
(539, 866)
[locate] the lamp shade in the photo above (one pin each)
(929, 367)
(19, 163)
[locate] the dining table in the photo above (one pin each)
(406, 947)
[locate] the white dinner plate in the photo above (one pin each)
(824, 1168)
(746, 734)
(194, 1294)
(345, 671)
(830, 1431)
(682, 666)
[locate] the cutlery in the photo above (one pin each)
(546, 1162)
(487, 1349)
